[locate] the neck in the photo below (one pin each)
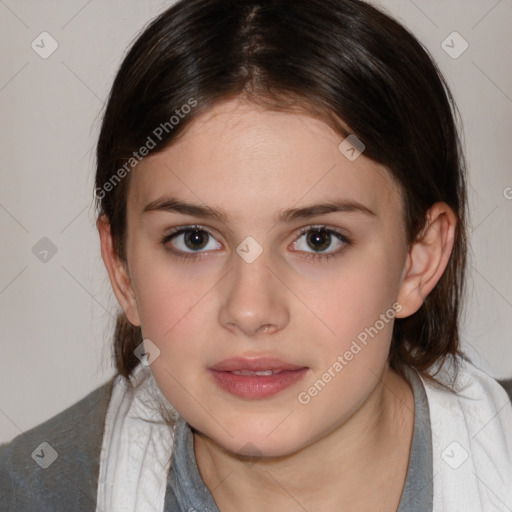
(353, 464)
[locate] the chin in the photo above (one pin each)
(258, 443)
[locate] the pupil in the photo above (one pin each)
(196, 238)
(320, 237)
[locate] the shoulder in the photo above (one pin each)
(471, 422)
(485, 384)
(470, 397)
(467, 380)
(463, 391)
(55, 465)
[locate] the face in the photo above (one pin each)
(255, 245)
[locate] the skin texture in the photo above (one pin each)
(350, 443)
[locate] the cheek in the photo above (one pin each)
(176, 310)
(357, 307)
(169, 293)
(173, 314)
(349, 301)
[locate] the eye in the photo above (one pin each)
(187, 240)
(193, 241)
(320, 239)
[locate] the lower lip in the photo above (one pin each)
(257, 386)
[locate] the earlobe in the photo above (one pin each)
(117, 272)
(427, 258)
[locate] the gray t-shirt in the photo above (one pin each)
(187, 492)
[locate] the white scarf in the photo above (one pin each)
(136, 449)
(471, 445)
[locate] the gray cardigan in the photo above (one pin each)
(69, 482)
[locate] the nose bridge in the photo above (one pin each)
(254, 297)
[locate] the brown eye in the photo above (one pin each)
(321, 243)
(196, 240)
(188, 240)
(319, 240)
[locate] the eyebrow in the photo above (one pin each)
(173, 205)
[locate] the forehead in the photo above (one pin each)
(243, 157)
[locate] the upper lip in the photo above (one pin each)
(256, 364)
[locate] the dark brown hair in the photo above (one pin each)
(334, 59)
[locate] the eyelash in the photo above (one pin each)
(318, 256)
(179, 231)
(312, 256)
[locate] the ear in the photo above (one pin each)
(118, 272)
(427, 258)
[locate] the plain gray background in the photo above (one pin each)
(57, 316)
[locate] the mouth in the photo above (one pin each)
(256, 378)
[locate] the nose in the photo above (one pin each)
(253, 299)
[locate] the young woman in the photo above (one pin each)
(282, 215)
